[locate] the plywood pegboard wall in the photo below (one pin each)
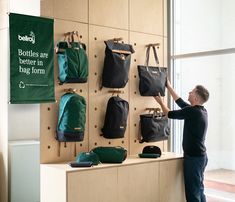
(100, 20)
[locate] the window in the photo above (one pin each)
(203, 52)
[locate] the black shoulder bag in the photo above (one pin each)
(154, 127)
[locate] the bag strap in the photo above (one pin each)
(147, 56)
(139, 134)
(155, 55)
(65, 102)
(157, 112)
(75, 149)
(72, 36)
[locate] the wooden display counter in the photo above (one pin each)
(135, 180)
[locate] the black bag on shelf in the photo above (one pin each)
(116, 64)
(115, 118)
(154, 127)
(152, 79)
(150, 151)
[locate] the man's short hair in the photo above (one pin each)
(202, 92)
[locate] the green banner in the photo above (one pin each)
(31, 59)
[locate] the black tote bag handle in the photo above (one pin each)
(147, 56)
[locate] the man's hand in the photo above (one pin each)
(168, 83)
(159, 99)
(171, 90)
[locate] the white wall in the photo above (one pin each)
(4, 64)
(27, 7)
(24, 120)
(9, 114)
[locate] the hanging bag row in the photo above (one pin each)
(152, 79)
(72, 60)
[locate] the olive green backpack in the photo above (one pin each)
(72, 60)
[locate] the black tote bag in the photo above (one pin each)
(152, 80)
(154, 127)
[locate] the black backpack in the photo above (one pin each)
(116, 64)
(115, 118)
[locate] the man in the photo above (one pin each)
(195, 127)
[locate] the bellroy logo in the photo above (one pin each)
(29, 38)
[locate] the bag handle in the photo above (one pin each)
(156, 112)
(69, 36)
(74, 33)
(147, 56)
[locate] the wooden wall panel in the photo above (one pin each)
(111, 13)
(49, 112)
(138, 23)
(165, 17)
(85, 186)
(170, 177)
(74, 10)
(146, 16)
(138, 103)
(165, 61)
(47, 8)
(132, 179)
(98, 98)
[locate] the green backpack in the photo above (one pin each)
(72, 118)
(72, 62)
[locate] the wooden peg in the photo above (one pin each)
(153, 44)
(154, 109)
(118, 39)
(67, 34)
(116, 91)
(70, 90)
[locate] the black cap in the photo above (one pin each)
(152, 149)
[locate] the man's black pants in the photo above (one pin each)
(194, 168)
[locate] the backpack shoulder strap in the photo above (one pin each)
(68, 96)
